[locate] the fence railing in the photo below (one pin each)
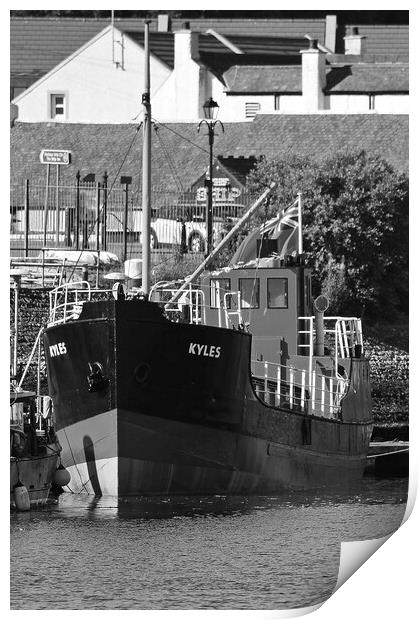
(93, 216)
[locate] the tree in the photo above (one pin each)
(355, 226)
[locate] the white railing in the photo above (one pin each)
(345, 332)
(66, 301)
(229, 313)
(299, 388)
(190, 305)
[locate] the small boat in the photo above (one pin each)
(34, 449)
(227, 383)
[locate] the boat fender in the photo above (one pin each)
(21, 497)
(61, 476)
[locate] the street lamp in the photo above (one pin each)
(211, 108)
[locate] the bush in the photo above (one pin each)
(355, 226)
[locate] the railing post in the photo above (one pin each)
(125, 231)
(266, 397)
(27, 217)
(303, 388)
(78, 210)
(313, 389)
(105, 209)
(98, 218)
(291, 387)
(57, 206)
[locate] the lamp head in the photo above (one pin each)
(211, 108)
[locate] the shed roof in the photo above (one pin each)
(341, 78)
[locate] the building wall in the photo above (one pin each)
(233, 107)
(383, 104)
(97, 91)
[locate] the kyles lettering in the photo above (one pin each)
(204, 350)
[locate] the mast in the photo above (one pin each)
(146, 202)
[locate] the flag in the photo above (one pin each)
(285, 228)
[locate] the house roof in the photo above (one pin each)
(180, 154)
(346, 78)
(368, 78)
(38, 44)
(264, 79)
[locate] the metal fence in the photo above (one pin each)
(92, 216)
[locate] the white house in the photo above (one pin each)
(102, 81)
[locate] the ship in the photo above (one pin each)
(34, 449)
(232, 382)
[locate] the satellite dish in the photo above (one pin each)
(321, 303)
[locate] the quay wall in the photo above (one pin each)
(385, 345)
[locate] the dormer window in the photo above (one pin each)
(58, 106)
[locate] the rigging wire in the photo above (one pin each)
(198, 146)
(267, 203)
(108, 192)
(169, 159)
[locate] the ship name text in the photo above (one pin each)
(204, 350)
(57, 349)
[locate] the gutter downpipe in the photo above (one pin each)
(222, 243)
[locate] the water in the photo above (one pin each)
(194, 553)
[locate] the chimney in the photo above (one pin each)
(163, 23)
(330, 32)
(354, 43)
(313, 77)
(187, 75)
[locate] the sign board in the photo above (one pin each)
(61, 158)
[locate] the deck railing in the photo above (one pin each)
(299, 388)
(341, 333)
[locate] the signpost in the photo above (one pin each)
(58, 158)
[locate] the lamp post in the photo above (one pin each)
(211, 108)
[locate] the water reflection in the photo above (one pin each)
(389, 491)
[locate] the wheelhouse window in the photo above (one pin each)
(218, 288)
(58, 106)
(277, 292)
(249, 292)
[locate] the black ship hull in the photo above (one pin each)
(145, 406)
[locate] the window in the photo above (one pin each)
(58, 106)
(249, 292)
(371, 102)
(251, 109)
(277, 102)
(224, 287)
(277, 293)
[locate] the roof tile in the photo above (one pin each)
(180, 154)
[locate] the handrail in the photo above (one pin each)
(347, 332)
(321, 394)
(59, 310)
